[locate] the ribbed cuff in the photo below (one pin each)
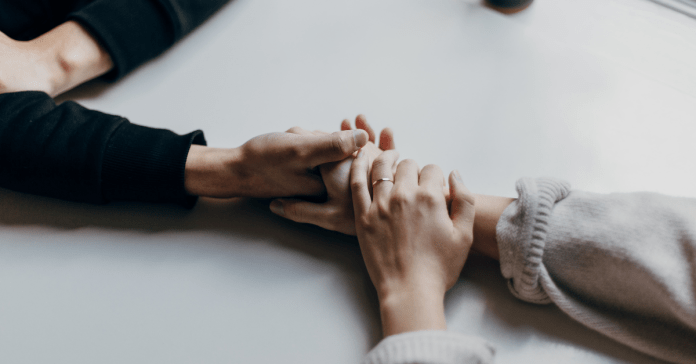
(431, 347)
(521, 235)
(147, 165)
(131, 31)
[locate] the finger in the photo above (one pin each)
(298, 130)
(303, 211)
(361, 123)
(406, 173)
(335, 146)
(386, 139)
(359, 185)
(345, 125)
(432, 178)
(462, 211)
(383, 167)
(319, 132)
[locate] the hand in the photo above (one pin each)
(337, 212)
(414, 249)
(53, 63)
(269, 165)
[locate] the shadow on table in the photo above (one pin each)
(520, 321)
(244, 221)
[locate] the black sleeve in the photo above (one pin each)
(135, 31)
(72, 153)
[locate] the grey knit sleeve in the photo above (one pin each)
(431, 347)
(622, 264)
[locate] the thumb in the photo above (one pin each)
(462, 211)
(303, 212)
(336, 146)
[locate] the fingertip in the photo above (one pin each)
(361, 123)
(386, 139)
(345, 125)
(458, 176)
(277, 207)
(360, 137)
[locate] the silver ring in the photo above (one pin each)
(382, 180)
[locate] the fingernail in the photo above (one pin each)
(458, 176)
(359, 137)
(277, 208)
(361, 152)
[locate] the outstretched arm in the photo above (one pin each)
(69, 152)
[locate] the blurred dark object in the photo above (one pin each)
(686, 7)
(508, 6)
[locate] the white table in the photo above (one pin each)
(598, 92)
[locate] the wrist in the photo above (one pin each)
(412, 309)
(488, 212)
(209, 172)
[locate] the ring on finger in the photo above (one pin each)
(385, 179)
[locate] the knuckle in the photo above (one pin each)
(432, 167)
(295, 152)
(355, 184)
(409, 162)
(381, 162)
(294, 130)
(428, 197)
(387, 158)
(383, 210)
(364, 222)
(400, 199)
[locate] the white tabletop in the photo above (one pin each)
(601, 93)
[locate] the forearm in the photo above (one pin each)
(68, 152)
(72, 56)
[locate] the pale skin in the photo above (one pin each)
(415, 235)
(55, 62)
(413, 247)
(336, 213)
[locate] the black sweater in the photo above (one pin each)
(69, 152)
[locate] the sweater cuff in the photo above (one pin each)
(431, 347)
(148, 31)
(147, 165)
(521, 235)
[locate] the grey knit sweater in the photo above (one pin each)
(621, 264)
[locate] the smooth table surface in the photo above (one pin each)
(601, 93)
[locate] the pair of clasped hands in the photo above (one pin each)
(414, 231)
